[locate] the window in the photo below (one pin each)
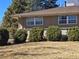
(63, 17)
(39, 21)
(34, 21)
(71, 19)
(62, 20)
(67, 20)
(30, 22)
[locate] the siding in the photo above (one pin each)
(48, 21)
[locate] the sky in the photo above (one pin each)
(4, 4)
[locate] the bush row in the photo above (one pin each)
(54, 34)
(20, 36)
(37, 34)
(73, 34)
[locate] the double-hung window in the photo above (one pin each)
(30, 22)
(63, 20)
(34, 21)
(38, 21)
(72, 19)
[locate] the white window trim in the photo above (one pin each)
(59, 20)
(40, 24)
(27, 23)
(34, 19)
(67, 21)
(72, 23)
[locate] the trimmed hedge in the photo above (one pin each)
(73, 34)
(4, 36)
(20, 36)
(53, 33)
(36, 34)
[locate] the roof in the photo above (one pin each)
(51, 12)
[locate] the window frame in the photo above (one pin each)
(34, 20)
(30, 19)
(73, 19)
(59, 20)
(67, 21)
(39, 20)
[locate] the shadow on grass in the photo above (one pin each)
(34, 54)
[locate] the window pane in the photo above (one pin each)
(71, 19)
(30, 22)
(38, 21)
(63, 17)
(62, 21)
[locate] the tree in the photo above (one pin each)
(7, 19)
(20, 6)
(35, 5)
(17, 6)
(46, 4)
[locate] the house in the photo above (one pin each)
(63, 17)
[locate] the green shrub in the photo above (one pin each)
(54, 33)
(4, 36)
(73, 34)
(20, 36)
(36, 34)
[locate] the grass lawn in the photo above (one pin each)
(41, 50)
